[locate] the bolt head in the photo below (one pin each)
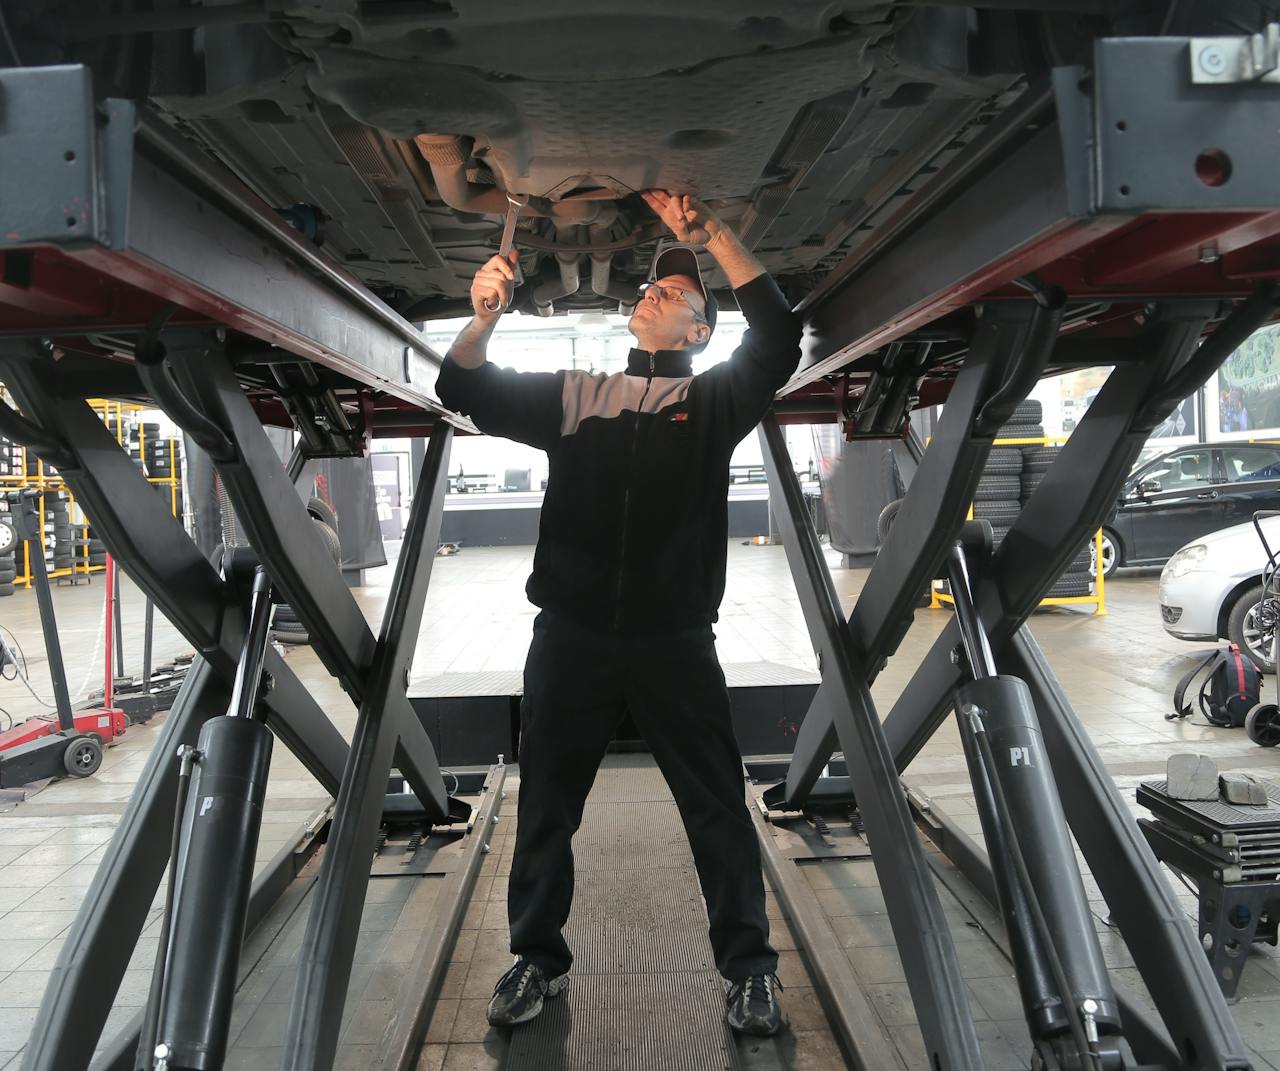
(162, 1051)
(1089, 1007)
(1212, 60)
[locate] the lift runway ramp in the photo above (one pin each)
(644, 992)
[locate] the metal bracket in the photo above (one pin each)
(1232, 60)
(1162, 141)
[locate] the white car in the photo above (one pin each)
(1212, 589)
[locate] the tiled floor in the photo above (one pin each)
(1118, 671)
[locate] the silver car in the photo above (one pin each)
(1212, 587)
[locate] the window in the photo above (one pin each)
(1187, 469)
(1251, 463)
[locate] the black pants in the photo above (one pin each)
(576, 682)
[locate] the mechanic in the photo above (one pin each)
(629, 572)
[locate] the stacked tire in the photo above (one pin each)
(57, 530)
(286, 626)
(156, 453)
(10, 458)
(996, 499)
(10, 465)
(97, 550)
(8, 550)
(1036, 461)
(163, 461)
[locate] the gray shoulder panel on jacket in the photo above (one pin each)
(587, 395)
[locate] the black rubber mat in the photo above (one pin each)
(644, 994)
(630, 784)
(617, 918)
(1214, 814)
(630, 836)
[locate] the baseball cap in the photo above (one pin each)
(682, 260)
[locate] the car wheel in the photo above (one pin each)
(1111, 556)
(1247, 633)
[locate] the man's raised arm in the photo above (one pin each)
(770, 348)
(524, 406)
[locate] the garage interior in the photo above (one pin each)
(986, 843)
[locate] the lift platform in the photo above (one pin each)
(1124, 214)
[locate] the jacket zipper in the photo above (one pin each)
(626, 498)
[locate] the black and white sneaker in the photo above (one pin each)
(751, 1006)
(518, 996)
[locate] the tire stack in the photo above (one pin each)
(57, 530)
(119, 427)
(8, 549)
(97, 550)
(10, 457)
(996, 499)
(286, 626)
(163, 460)
(135, 436)
(1036, 460)
(10, 465)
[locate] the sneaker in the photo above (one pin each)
(518, 996)
(751, 1006)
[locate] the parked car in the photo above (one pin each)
(1186, 493)
(1211, 589)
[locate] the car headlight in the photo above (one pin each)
(1187, 560)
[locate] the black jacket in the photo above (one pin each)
(634, 522)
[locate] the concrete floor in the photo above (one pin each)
(1117, 670)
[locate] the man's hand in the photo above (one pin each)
(494, 286)
(688, 218)
(693, 222)
(494, 283)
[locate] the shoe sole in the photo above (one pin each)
(757, 1032)
(554, 988)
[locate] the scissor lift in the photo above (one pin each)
(1119, 214)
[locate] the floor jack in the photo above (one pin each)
(72, 744)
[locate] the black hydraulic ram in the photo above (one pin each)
(1062, 978)
(214, 866)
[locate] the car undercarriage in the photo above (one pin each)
(389, 133)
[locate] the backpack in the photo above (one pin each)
(1231, 688)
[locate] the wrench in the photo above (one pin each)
(515, 202)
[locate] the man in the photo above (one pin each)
(629, 572)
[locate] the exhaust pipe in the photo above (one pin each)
(551, 290)
(447, 156)
(603, 284)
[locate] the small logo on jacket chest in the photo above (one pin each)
(679, 418)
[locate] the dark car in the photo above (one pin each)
(1186, 493)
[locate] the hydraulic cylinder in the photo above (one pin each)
(223, 817)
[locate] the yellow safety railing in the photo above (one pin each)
(48, 482)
